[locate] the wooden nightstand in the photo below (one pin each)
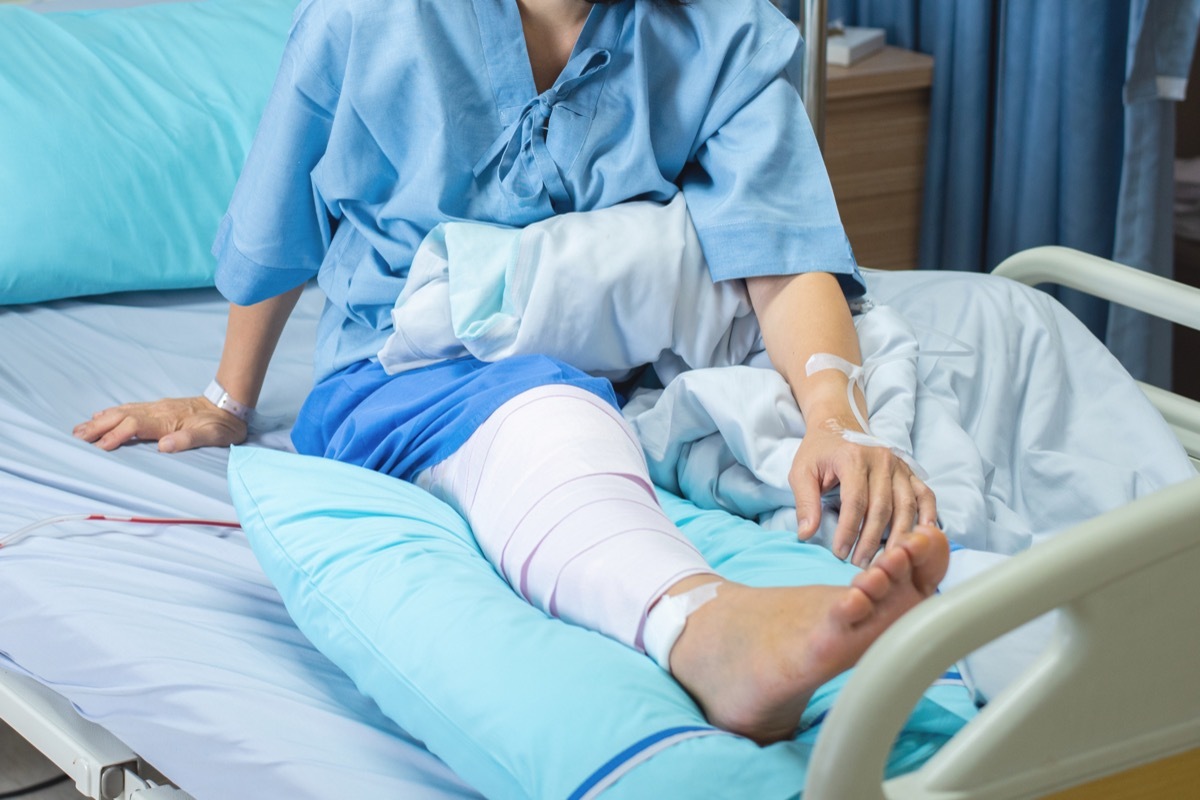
(876, 126)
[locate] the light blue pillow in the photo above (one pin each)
(122, 132)
(388, 582)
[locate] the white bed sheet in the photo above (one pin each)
(170, 637)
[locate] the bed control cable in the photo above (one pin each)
(17, 535)
(36, 787)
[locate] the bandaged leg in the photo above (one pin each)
(555, 487)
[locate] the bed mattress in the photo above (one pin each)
(171, 637)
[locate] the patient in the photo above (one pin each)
(388, 118)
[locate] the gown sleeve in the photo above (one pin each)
(276, 231)
(757, 188)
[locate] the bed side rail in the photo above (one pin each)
(100, 764)
(1130, 287)
(1128, 603)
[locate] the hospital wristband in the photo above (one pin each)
(216, 394)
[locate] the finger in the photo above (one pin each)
(101, 423)
(121, 433)
(807, 488)
(179, 441)
(904, 506)
(926, 502)
(852, 512)
(879, 513)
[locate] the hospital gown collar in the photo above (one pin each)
(523, 142)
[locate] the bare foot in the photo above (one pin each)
(752, 658)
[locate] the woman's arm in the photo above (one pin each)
(802, 315)
(251, 335)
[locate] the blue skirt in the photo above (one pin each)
(402, 424)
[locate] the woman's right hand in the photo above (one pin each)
(177, 424)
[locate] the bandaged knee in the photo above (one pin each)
(556, 490)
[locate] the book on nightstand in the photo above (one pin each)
(852, 45)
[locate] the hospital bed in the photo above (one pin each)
(129, 654)
(1129, 634)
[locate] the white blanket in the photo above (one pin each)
(1032, 428)
(605, 291)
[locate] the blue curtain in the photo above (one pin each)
(1050, 123)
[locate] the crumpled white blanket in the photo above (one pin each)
(1038, 429)
(1032, 428)
(605, 291)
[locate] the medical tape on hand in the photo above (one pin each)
(858, 376)
(866, 440)
(666, 621)
(820, 362)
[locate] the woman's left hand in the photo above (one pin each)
(801, 316)
(878, 489)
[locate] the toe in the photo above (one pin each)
(930, 553)
(874, 582)
(897, 563)
(853, 607)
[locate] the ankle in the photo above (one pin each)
(691, 582)
(670, 615)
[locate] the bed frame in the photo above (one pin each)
(100, 764)
(1118, 688)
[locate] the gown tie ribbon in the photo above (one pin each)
(524, 141)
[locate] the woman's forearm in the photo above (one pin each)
(251, 335)
(802, 315)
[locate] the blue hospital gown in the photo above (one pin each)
(389, 117)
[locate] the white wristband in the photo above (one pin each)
(216, 394)
(665, 622)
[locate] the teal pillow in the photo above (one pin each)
(388, 582)
(122, 132)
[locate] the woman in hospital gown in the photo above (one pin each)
(388, 118)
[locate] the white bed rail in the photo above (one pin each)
(1130, 287)
(100, 764)
(1129, 602)
(1125, 583)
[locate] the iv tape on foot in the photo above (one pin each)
(665, 622)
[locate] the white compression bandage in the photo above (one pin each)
(556, 490)
(666, 621)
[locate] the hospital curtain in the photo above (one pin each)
(1051, 123)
